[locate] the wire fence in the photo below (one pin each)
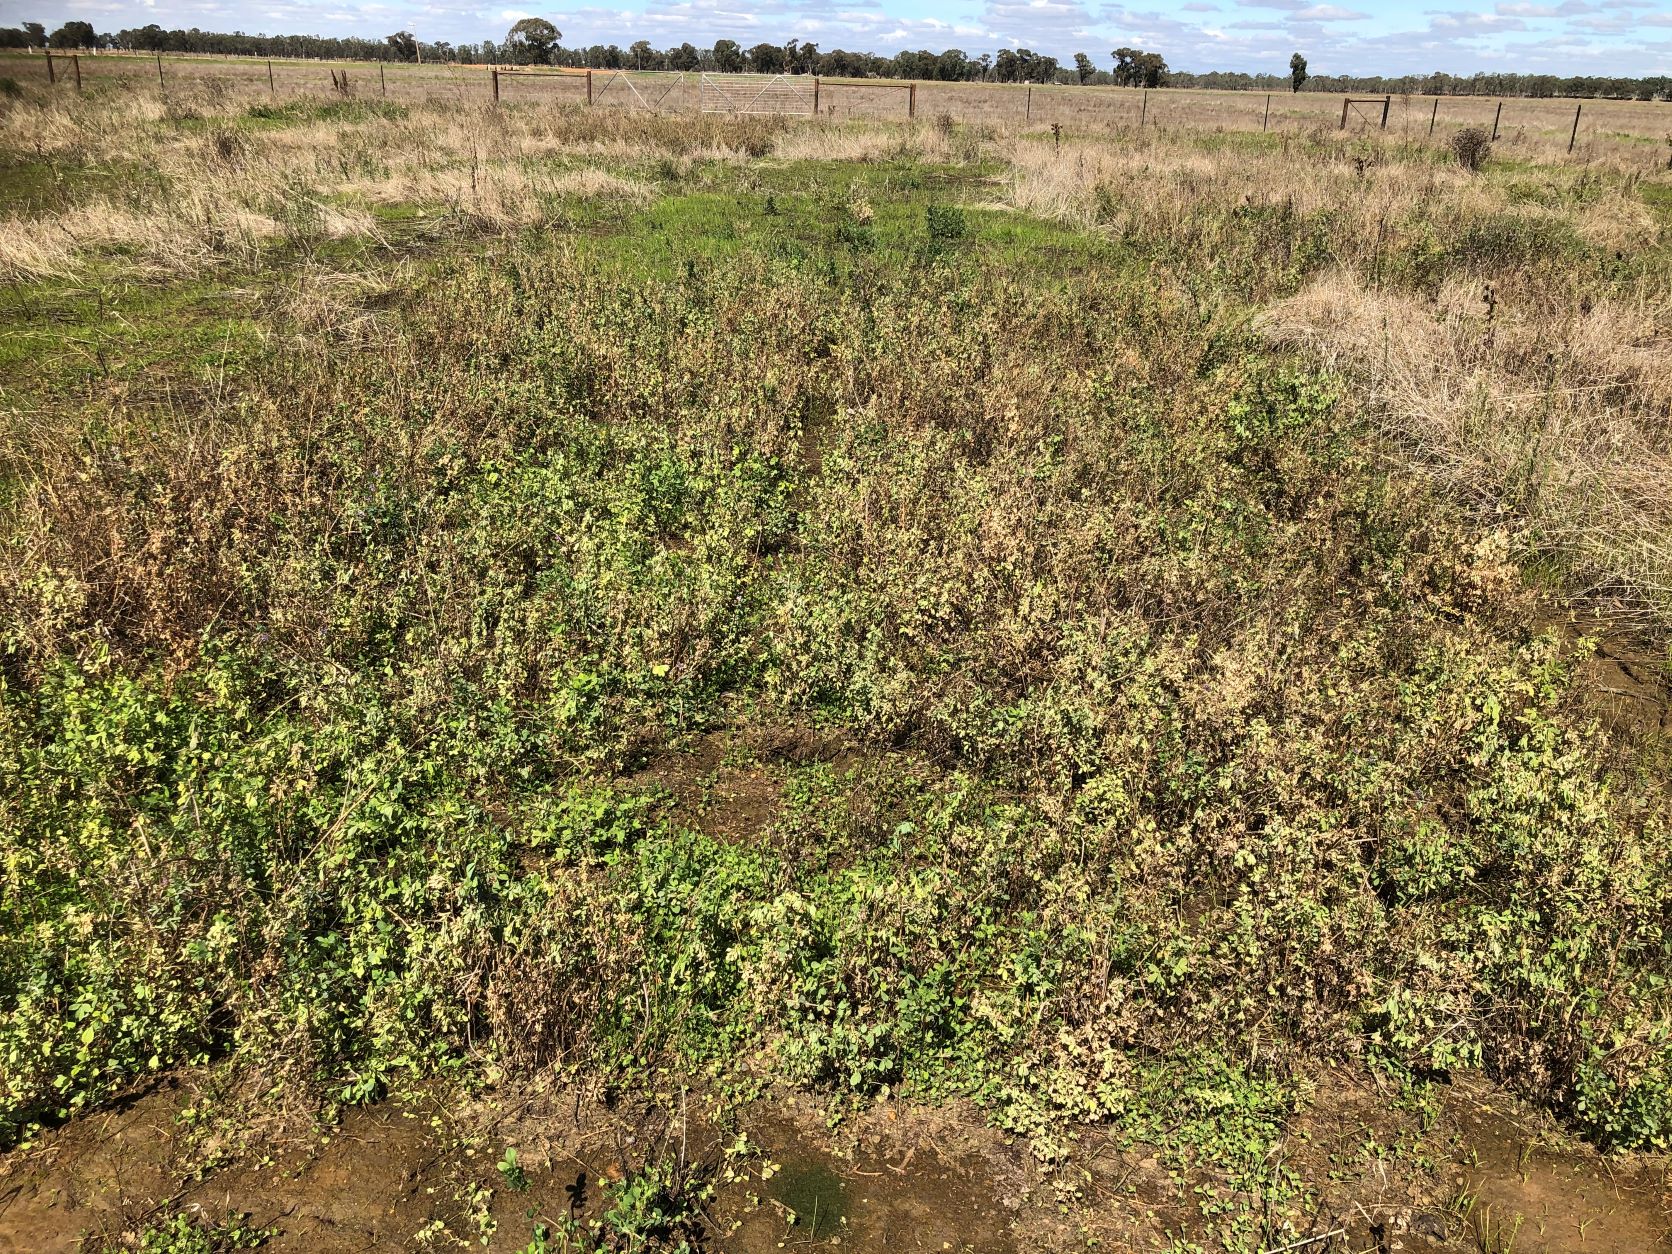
(1642, 129)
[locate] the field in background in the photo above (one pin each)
(589, 679)
(1629, 130)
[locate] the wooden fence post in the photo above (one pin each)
(1387, 104)
(160, 70)
(1433, 117)
(815, 95)
(911, 102)
(382, 85)
(1028, 116)
(1143, 109)
(1345, 104)
(1574, 138)
(1496, 118)
(51, 74)
(75, 64)
(589, 87)
(1265, 122)
(271, 90)
(495, 75)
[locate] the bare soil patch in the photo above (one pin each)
(1478, 1172)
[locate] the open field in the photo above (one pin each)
(583, 679)
(1624, 130)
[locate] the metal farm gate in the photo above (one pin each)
(756, 93)
(658, 86)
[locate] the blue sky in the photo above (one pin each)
(1624, 37)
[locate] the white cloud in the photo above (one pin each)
(1328, 13)
(1568, 8)
(1470, 21)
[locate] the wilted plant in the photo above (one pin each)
(1471, 145)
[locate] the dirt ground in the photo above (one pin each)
(424, 1172)
(1473, 1171)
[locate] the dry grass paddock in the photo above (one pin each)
(1638, 131)
(1555, 398)
(1512, 333)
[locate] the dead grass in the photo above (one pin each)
(1511, 331)
(1555, 425)
(863, 141)
(1158, 182)
(1553, 410)
(227, 188)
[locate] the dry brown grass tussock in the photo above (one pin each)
(1170, 178)
(1559, 425)
(821, 141)
(217, 192)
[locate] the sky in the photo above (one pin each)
(1603, 37)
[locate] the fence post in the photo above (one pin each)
(1433, 117)
(51, 74)
(911, 102)
(815, 95)
(75, 64)
(1574, 138)
(1143, 109)
(1265, 122)
(271, 90)
(1387, 103)
(495, 76)
(589, 87)
(159, 70)
(1496, 118)
(382, 85)
(1028, 117)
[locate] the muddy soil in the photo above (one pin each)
(364, 1184)
(1477, 1171)
(1626, 678)
(1525, 1191)
(1474, 1173)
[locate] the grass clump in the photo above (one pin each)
(292, 112)
(1471, 146)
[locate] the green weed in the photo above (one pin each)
(190, 1234)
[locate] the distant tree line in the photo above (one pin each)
(1531, 85)
(535, 41)
(400, 46)
(29, 35)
